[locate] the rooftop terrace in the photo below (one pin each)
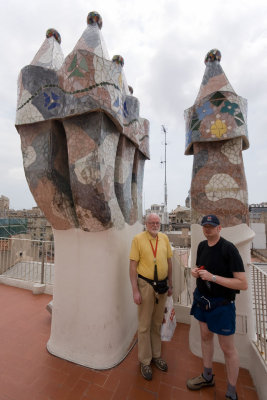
(29, 372)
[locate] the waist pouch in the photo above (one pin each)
(160, 287)
(209, 303)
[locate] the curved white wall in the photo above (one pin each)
(94, 317)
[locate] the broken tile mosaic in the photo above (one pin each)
(83, 141)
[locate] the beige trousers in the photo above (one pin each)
(150, 316)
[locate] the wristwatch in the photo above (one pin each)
(213, 278)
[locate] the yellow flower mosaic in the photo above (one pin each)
(219, 128)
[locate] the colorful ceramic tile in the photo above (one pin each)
(83, 141)
(216, 134)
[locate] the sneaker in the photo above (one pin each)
(146, 371)
(160, 364)
(199, 382)
(229, 397)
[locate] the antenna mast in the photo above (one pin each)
(165, 220)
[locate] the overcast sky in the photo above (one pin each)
(164, 43)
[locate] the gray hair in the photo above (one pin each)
(152, 215)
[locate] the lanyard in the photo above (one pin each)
(154, 250)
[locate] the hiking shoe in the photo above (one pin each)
(160, 364)
(146, 371)
(199, 382)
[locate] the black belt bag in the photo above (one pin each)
(160, 287)
(208, 303)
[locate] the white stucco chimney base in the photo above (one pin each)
(94, 317)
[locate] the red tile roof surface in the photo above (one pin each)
(29, 372)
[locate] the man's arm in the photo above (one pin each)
(133, 278)
(238, 282)
(169, 260)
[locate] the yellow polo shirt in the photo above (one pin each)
(141, 252)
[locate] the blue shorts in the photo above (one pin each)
(220, 320)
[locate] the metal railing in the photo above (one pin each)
(259, 296)
(26, 259)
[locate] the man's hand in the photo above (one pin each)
(133, 277)
(170, 291)
(137, 297)
(195, 272)
(201, 272)
(204, 274)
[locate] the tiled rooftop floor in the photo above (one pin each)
(29, 372)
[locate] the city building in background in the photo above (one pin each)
(179, 224)
(4, 206)
(30, 222)
(180, 218)
(178, 227)
(156, 209)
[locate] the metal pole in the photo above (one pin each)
(165, 162)
(165, 224)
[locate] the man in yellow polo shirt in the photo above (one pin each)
(151, 279)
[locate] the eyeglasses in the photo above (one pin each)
(153, 223)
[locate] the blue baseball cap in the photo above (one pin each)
(210, 220)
